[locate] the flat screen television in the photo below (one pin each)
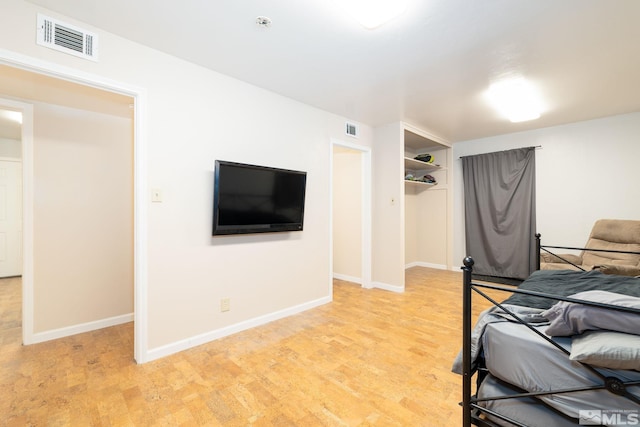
(257, 199)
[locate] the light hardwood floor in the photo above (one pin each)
(371, 357)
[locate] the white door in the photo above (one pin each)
(10, 218)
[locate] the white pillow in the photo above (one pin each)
(614, 350)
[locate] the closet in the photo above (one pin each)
(411, 220)
(427, 199)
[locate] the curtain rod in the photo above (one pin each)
(501, 151)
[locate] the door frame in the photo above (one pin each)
(140, 227)
(365, 211)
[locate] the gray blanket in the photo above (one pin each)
(493, 315)
(567, 282)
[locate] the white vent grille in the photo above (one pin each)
(67, 38)
(351, 129)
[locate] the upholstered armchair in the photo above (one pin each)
(608, 235)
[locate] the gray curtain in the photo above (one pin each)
(500, 212)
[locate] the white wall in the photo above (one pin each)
(347, 214)
(388, 208)
(584, 171)
(195, 116)
(10, 148)
(83, 217)
(431, 227)
(411, 237)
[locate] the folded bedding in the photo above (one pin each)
(569, 318)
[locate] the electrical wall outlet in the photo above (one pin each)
(225, 304)
(156, 195)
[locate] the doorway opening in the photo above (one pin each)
(10, 223)
(136, 96)
(10, 192)
(351, 213)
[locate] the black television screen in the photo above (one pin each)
(257, 199)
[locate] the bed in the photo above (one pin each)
(562, 350)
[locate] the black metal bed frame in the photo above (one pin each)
(472, 411)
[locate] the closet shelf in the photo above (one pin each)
(413, 164)
(420, 183)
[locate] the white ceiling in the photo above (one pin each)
(429, 67)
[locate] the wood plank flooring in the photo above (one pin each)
(370, 358)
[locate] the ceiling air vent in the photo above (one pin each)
(67, 38)
(351, 129)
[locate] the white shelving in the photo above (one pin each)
(419, 168)
(415, 144)
(426, 223)
(413, 164)
(420, 183)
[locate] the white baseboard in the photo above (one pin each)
(175, 347)
(426, 264)
(347, 278)
(387, 287)
(78, 329)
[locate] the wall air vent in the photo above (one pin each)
(67, 38)
(351, 129)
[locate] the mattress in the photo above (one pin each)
(518, 356)
(526, 410)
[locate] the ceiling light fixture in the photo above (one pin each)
(373, 13)
(263, 21)
(515, 98)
